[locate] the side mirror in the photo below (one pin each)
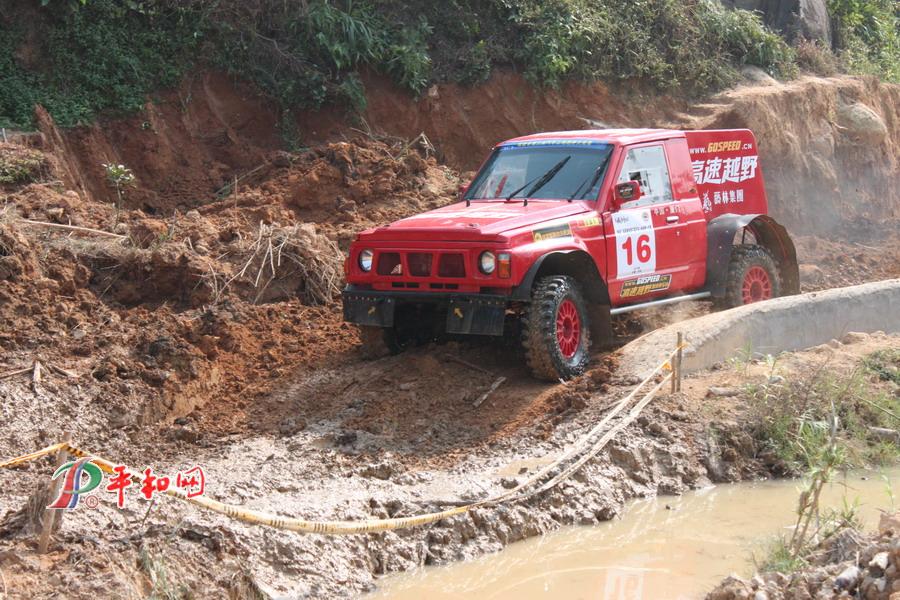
(463, 188)
(627, 192)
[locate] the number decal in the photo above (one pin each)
(644, 251)
(636, 247)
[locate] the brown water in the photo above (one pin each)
(669, 547)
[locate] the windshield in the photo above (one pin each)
(575, 170)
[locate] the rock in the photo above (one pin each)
(806, 19)
(879, 563)
(291, 425)
(657, 428)
(756, 76)
(760, 595)
(861, 124)
(379, 470)
(148, 232)
(848, 579)
(884, 434)
(509, 482)
(854, 337)
(723, 392)
(811, 274)
(876, 588)
(184, 434)
(889, 523)
(346, 438)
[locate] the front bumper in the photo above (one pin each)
(467, 314)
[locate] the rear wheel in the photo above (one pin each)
(752, 276)
(555, 329)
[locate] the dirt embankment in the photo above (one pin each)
(830, 146)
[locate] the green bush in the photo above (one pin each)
(20, 165)
(106, 56)
(693, 46)
(867, 33)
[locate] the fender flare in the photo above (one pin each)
(596, 290)
(768, 232)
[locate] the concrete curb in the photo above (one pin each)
(783, 324)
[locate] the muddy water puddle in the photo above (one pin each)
(661, 548)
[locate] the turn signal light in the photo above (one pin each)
(504, 265)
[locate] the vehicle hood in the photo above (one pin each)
(479, 221)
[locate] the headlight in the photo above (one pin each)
(365, 260)
(487, 262)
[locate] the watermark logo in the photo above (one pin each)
(624, 584)
(81, 477)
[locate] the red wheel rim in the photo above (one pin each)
(757, 285)
(568, 328)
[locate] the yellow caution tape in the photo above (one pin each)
(377, 525)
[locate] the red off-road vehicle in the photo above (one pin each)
(559, 231)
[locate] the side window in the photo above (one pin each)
(648, 167)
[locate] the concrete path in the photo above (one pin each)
(783, 324)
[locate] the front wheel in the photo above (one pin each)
(752, 276)
(555, 329)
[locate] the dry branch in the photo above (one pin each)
(279, 253)
(73, 228)
(466, 363)
(490, 391)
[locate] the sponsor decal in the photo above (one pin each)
(645, 285)
(635, 242)
(720, 171)
(729, 146)
(552, 233)
(590, 222)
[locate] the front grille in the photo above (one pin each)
(419, 263)
(389, 264)
(452, 265)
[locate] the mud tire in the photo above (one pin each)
(543, 352)
(744, 259)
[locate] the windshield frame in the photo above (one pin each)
(604, 154)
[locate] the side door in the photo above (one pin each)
(655, 245)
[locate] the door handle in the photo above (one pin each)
(672, 219)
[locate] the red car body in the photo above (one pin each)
(625, 254)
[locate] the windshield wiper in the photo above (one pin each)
(541, 181)
(597, 173)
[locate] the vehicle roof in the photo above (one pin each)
(613, 136)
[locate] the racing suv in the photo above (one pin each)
(560, 231)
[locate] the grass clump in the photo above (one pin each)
(19, 165)
(793, 419)
(885, 364)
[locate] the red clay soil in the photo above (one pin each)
(175, 312)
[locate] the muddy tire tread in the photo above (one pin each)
(742, 258)
(539, 322)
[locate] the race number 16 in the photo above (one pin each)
(635, 243)
(644, 251)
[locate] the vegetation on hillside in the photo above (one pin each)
(83, 57)
(868, 35)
